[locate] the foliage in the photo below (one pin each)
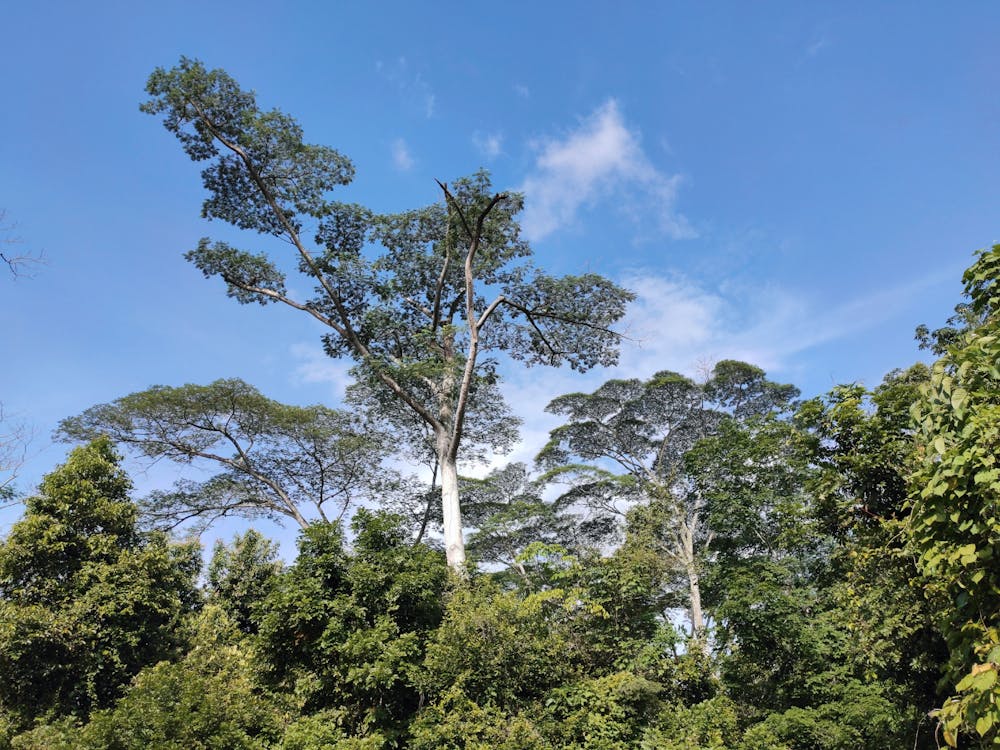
(276, 460)
(348, 630)
(508, 513)
(784, 625)
(322, 731)
(624, 446)
(864, 447)
(577, 659)
(206, 700)
(605, 713)
(241, 576)
(861, 718)
(955, 525)
(499, 648)
(86, 600)
(706, 725)
(456, 721)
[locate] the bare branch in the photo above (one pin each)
(14, 439)
(417, 306)
(450, 200)
(489, 311)
(21, 265)
(470, 314)
(439, 287)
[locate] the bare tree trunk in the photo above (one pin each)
(697, 618)
(454, 543)
(694, 584)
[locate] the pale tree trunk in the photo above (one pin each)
(694, 584)
(454, 543)
(452, 412)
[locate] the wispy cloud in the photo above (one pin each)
(489, 144)
(314, 366)
(401, 155)
(413, 88)
(677, 324)
(522, 91)
(817, 46)
(599, 159)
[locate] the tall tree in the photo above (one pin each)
(277, 460)
(629, 439)
(489, 428)
(416, 299)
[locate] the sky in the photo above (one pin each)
(793, 184)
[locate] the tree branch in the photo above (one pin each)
(470, 316)
(345, 329)
(489, 311)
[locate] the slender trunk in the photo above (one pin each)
(454, 543)
(697, 618)
(694, 584)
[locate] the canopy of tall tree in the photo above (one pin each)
(416, 299)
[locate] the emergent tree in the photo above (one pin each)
(416, 299)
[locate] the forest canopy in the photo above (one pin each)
(711, 562)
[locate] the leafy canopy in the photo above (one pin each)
(276, 460)
(86, 599)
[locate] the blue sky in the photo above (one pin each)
(796, 184)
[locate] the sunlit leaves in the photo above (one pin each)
(955, 525)
(262, 163)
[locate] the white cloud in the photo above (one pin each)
(314, 366)
(522, 91)
(489, 144)
(600, 159)
(401, 156)
(676, 324)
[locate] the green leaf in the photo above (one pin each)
(984, 680)
(985, 723)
